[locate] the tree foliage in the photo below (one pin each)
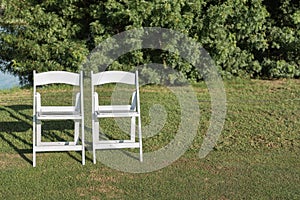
(41, 36)
(252, 38)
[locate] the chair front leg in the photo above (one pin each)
(38, 132)
(34, 143)
(132, 129)
(95, 136)
(76, 131)
(83, 142)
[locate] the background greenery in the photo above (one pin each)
(248, 38)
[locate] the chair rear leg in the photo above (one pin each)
(140, 138)
(33, 145)
(34, 158)
(83, 143)
(95, 138)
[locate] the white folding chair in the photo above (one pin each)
(41, 113)
(116, 111)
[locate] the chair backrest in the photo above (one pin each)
(58, 77)
(114, 77)
(51, 77)
(122, 77)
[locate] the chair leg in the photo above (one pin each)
(95, 138)
(37, 139)
(76, 131)
(38, 133)
(34, 158)
(82, 142)
(132, 129)
(140, 138)
(33, 144)
(83, 156)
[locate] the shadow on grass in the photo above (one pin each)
(16, 122)
(16, 125)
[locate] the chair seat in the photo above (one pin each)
(116, 111)
(101, 114)
(57, 113)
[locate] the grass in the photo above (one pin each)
(257, 155)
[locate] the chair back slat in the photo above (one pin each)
(62, 77)
(113, 77)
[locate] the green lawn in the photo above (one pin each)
(257, 155)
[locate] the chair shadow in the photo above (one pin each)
(67, 126)
(18, 124)
(50, 126)
(103, 136)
